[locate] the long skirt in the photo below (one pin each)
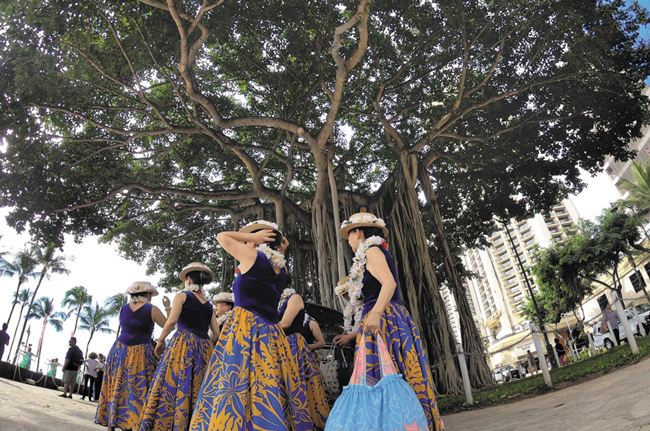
(309, 370)
(252, 382)
(405, 347)
(176, 383)
(127, 377)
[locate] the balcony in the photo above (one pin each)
(550, 222)
(561, 212)
(501, 247)
(530, 242)
(527, 234)
(512, 281)
(509, 272)
(502, 257)
(506, 265)
(566, 221)
(514, 291)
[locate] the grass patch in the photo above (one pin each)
(535, 385)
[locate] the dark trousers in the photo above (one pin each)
(98, 384)
(616, 335)
(87, 389)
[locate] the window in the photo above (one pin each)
(602, 301)
(637, 281)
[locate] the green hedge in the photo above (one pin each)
(528, 386)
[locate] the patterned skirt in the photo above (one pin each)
(405, 347)
(176, 383)
(251, 383)
(309, 370)
(127, 377)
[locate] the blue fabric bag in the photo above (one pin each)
(390, 405)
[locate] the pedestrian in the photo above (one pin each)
(180, 372)
(99, 369)
(532, 364)
(295, 323)
(223, 304)
(559, 348)
(4, 339)
(73, 360)
(54, 363)
(90, 374)
(130, 363)
(377, 307)
(27, 359)
(614, 320)
(251, 382)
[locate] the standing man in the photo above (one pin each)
(73, 360)
(4, 339)
(612, 316)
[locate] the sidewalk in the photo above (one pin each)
(618, 401)
(29, 408)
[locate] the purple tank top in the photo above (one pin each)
(259, 289)
(195, 317)
(137, 326)
(296, 325)
(372, 286)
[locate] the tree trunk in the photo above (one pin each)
(13, 304)
(40, 347)
(477, 367)
(29, 311)
(418, 283)
(13, 340)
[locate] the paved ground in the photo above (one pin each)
(619, 401)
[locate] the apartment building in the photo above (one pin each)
(503, 280)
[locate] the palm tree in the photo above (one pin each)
(113, 307)
(23, 298)
(94, 319)
(76, 298)
(21, 264)
(44, 309)
(639, 189)
(50, 263)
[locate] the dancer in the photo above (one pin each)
(377, 308)
(130, 363)
(295, 322)
(223, 303)
(250, 382)
(54, 363)
(180, 372)
(27, 359)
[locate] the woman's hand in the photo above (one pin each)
(343, 339)
(166, 302)
(372, 323)
(263, 236)
(284, 244)
(160, 348)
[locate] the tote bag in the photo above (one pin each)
(390, 405)
(329, 369)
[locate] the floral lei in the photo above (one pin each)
(275, 257)
(194, 288)
(136, 299)
(286, 293)
(224, 316)
(355, 306)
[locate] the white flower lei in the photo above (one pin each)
(358, 268)
(224, 316)
(136, 299)
(275, 257)
(286, 293)
(194, 288)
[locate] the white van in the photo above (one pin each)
(606, 339)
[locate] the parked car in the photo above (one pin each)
(505, 373)
(606, 340)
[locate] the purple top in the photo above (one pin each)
(137, 326)
(259, 289)
(195, 317)
(372, 286)
(296, 325)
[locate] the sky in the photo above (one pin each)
(100, 269)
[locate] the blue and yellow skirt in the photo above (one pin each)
(176, 383)
(252, 382)
(405, 347)
(309, 371)
(127, 377)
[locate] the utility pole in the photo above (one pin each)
(549, 348)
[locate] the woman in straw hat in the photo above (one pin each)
(296, 325)
(180, 372)
(223, 303)
(251, 382)
(376, 306)
(130, 363)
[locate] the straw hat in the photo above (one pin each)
(223, 297)
(259, 224)
(194, 266)
(362, 219)
(142, 287)
(342, 286)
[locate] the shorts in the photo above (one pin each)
(70, 377)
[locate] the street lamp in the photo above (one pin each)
(549, 348)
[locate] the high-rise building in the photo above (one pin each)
(503, 278)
